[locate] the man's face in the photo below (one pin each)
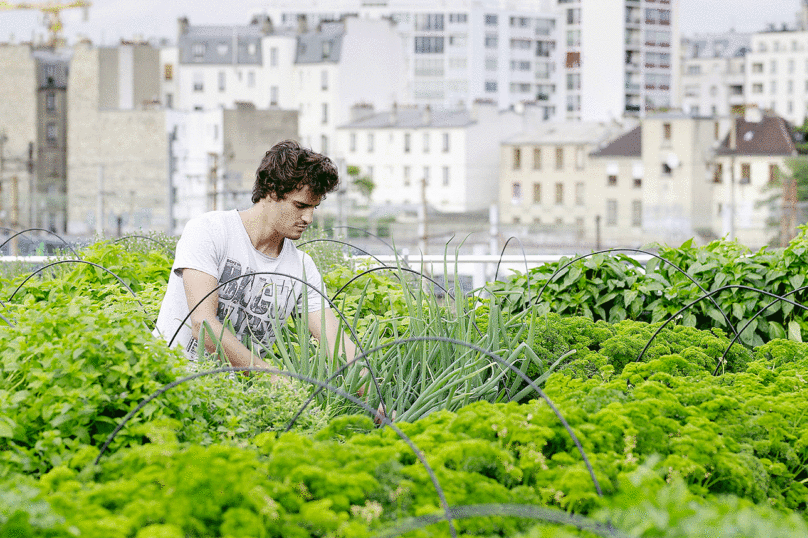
(293, 214)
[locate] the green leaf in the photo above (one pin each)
(796, 280)
(5, 429)
(776, 330)
(794, 332)
(628, 297)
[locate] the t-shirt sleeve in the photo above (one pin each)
(199, 248)
(316, 301)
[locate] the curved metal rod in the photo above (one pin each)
(125, 237)
(328, 240)
(418, 453)
(524, 255)
(323, 295)
(497, 359)
(389, 268)
(29, 277)
(709, 295)
(657, 256)
(759, 312)
(385, 243)
(41, 230)
(7, 321)
(527, 511)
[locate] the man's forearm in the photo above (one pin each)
(236, 352)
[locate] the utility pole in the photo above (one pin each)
(33, 191)
(422, 233)
(733, 146)
(213, 176)
(99, 211)
(172, 137)
(3, 140)
(15, 213)
(788, 215)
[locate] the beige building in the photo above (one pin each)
(750, 158)
(32, 137)
(548, 182)
(118, 141)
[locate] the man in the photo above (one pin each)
(221, 245)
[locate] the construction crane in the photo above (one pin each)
(52, 11)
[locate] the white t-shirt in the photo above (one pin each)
(217, 243)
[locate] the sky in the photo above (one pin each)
(110, 20)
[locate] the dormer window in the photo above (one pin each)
(748, 135)
(222, 49)
(251, 49)
(326, 50)
(198, 50)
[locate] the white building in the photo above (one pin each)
(459, 50)
(620, 57)
(453, 155)
(713, 73)
(777, 73)
(338, 65)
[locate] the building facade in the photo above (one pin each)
(713, 73)
(447, 159)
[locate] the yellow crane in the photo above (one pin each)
(52, 11)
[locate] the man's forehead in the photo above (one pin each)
(304, 195)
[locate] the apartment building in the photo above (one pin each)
(777, 73)
(547, 177)
(713, 73)
(449, 158)
(619, 59)
(459, 50)
(749, 160)
(33, 131)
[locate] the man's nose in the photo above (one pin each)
(308, 215)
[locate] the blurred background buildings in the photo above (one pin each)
(570, 124)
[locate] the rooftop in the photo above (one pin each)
(626, 145)
(570, 132)
(769, 136)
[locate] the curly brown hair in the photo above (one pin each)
(287, 167)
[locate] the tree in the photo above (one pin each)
(364, 184)
(789, 191)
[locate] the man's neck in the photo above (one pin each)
(262, 235)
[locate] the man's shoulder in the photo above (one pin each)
(211, 220)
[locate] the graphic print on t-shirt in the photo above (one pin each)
(250, 304)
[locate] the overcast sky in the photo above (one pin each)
(110, 20)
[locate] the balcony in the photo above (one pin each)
(632, 87)
(632, 108)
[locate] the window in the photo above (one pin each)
(491, 41)
(790, 66)
(352, 142)
(611, 180)
(636, 213)
(490, 86)
(425, 22)
(517, 158)
(490, 64)
(491, 20)
(50, 102)
(457, 40)
(326, 50)
(426, 175)
(458, 17)
(273, 96)
(222, 80)
(666, 169)
(757, 67)
(323, 144)
(251, 49)
(579, 193)
(516, 193)
(445, 176)
(536, 158)
(370, 142)
(790, 86)
(718, 173)
(426, 142)
(537, 193)
(251, 79)
(544, 48)
(406, 142)
(693, 69)
(199, 81)
(559, 160)
(611, 212)
(198, 51)
(573, 38)
(773, 67)
(559, 193)
(637, 183)
(520, 65)
(168, 72)
(574, 16)
(323, 79)
(774, 87)
(666, 131)
(406, 176)
(169, 100)
(370, 172)
(428, 45)
(758, 87)
(445, 142)
(573, 81)
(519, 22)
(573, 60)
(51, 134)
(580, 157)
(520, 44)
(324, 119)
(273, 57)
(774, 171)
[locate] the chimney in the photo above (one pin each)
(477, 105)
(426, 115)
(182, 26)
(360, 111)
(753, 114)
(394, 113)
(733, 133)
(302, 24)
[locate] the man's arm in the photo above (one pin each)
(197, 284)
(330, 330)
